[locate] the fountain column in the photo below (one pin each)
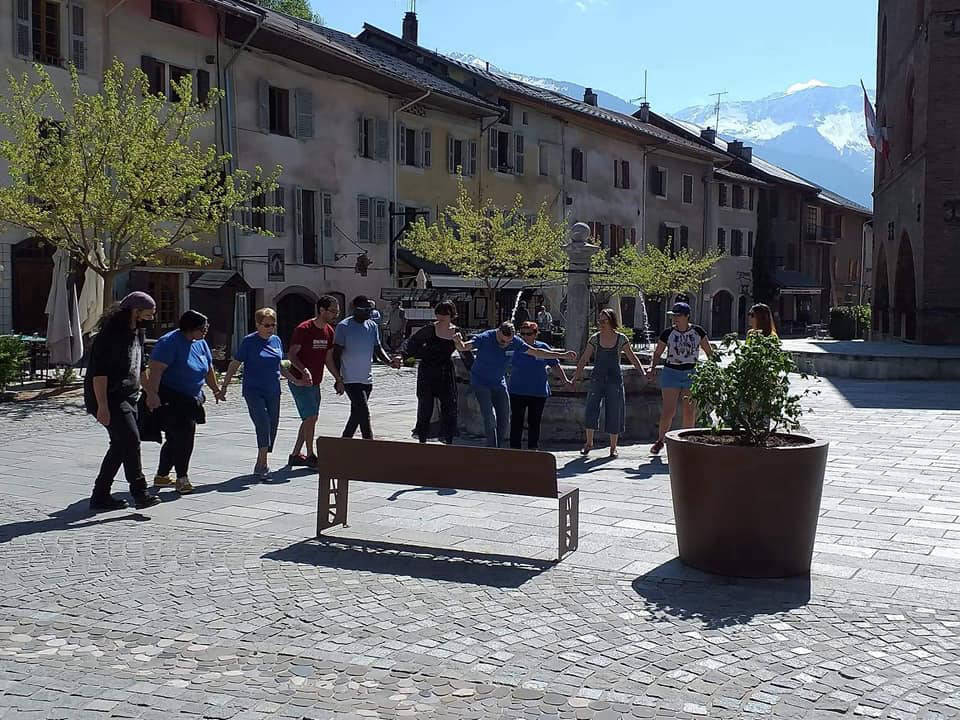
(580, 253)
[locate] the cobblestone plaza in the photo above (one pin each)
(443, 604)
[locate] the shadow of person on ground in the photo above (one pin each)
(239, 483)
(502, 571)
(440, 491)
(675, 591)
(66, 519)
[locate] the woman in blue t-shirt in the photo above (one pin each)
(180, 364)
(261, 354)
(529, 388)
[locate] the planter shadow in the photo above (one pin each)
(674, 591)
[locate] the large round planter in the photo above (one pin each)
(746, 511)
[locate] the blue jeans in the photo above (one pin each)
(264, 409)
(495, 408)
(611, 395)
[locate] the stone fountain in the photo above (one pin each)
(564, 411)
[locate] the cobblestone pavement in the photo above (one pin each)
(445, 605)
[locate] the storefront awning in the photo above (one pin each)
(793, 282)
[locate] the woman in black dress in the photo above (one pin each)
(433, 346)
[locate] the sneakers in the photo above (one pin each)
(144, 500)
(183, 485)
(261, 472)
(107, 503)
(656, 447)
(162, 481)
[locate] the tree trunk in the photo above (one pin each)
(108, 279)
(491, 295)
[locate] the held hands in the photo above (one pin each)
(396, 362)
(570, 355)
(153, 401)
(338, 387)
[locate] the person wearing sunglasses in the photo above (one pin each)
(529, 388)
(260, 353)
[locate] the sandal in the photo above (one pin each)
(585, 450)
(614, 454)
(656, 447)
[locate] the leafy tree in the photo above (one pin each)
(297, 8)
(490, 244)
(658, 273)
(117, 178)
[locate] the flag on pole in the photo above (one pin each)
(876, 135)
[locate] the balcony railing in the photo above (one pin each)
(821, 233)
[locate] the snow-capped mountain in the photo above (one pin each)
(812, 129)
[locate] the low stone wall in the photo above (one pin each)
(878, 367)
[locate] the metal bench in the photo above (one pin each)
(510, 472)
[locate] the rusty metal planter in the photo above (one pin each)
(746, 511)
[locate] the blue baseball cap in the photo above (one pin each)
(680, 308)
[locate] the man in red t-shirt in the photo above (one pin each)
(309, 352)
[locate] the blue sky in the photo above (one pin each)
(690, 48)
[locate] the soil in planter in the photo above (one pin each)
(774, 441)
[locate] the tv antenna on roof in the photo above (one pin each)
(718, 96)
(644, 98)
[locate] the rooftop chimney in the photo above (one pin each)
(410, 27)
(735, 147)
(709, 134)
(747, 154)
(590, 97)
(644, 112)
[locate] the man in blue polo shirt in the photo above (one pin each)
(494, 349)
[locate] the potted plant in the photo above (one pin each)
(746, 489)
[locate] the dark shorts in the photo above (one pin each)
(307, 400)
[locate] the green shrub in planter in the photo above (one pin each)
(843, 323)
(745, 389)
(864, 317)
(13, 354)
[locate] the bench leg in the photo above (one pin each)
(569, 525)
(331, 503)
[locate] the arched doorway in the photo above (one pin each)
(292, 309)
(742, 315)
(720, 316)
(32, 265)
(904, 288)
(881, 294)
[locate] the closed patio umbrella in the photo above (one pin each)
(64, 336)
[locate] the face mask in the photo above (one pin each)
(361, 314)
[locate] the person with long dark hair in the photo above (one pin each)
(111, 392)
(433, 345)
(180, 364)
(761, 320)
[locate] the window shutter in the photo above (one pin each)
(625, 175)
(263, 105)
(427, 148)
(402, 143)
(298, 224)
(684, 237)
(380, 221)
(752, 196)
(418, 148)
(203, 86)
(22, 30)
(303, 104)
(616, 173)
(361, 136)
(543, 160)
(326, 221)
(451, 163)
(750, 243)
(363, 218)
(78, 37)
(721, 239)
(633, 236)
(279, 218)
(519, 150)
(492, 141)
(383, 140)
(473, 158)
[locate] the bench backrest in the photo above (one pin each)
(514, 472)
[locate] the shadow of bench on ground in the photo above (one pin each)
(675, 591)
(471, 568)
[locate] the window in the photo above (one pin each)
(621, 174)
(503, 151)
(372, 219)
(363, 219)
(258, 219)
(518, 154)
(738, 197)
(408, 147)
(524, 118)
(279, 218)
(156, 73)
(44, 21)
(372, 138)
(461, 156)
(684, 237)
(838, 227)
(379, 220)
(721, 240)
(749, 243)
(544, 159)
(722, 187)
(658, 181)
(167, 11)
(813, 219)
(577, 169)
(596, 232)
(78, 38)
(752, 198)
(668, 238)
(427, 143)
(279, 111)
(176, 75)
(736, 242)
(688, 189)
